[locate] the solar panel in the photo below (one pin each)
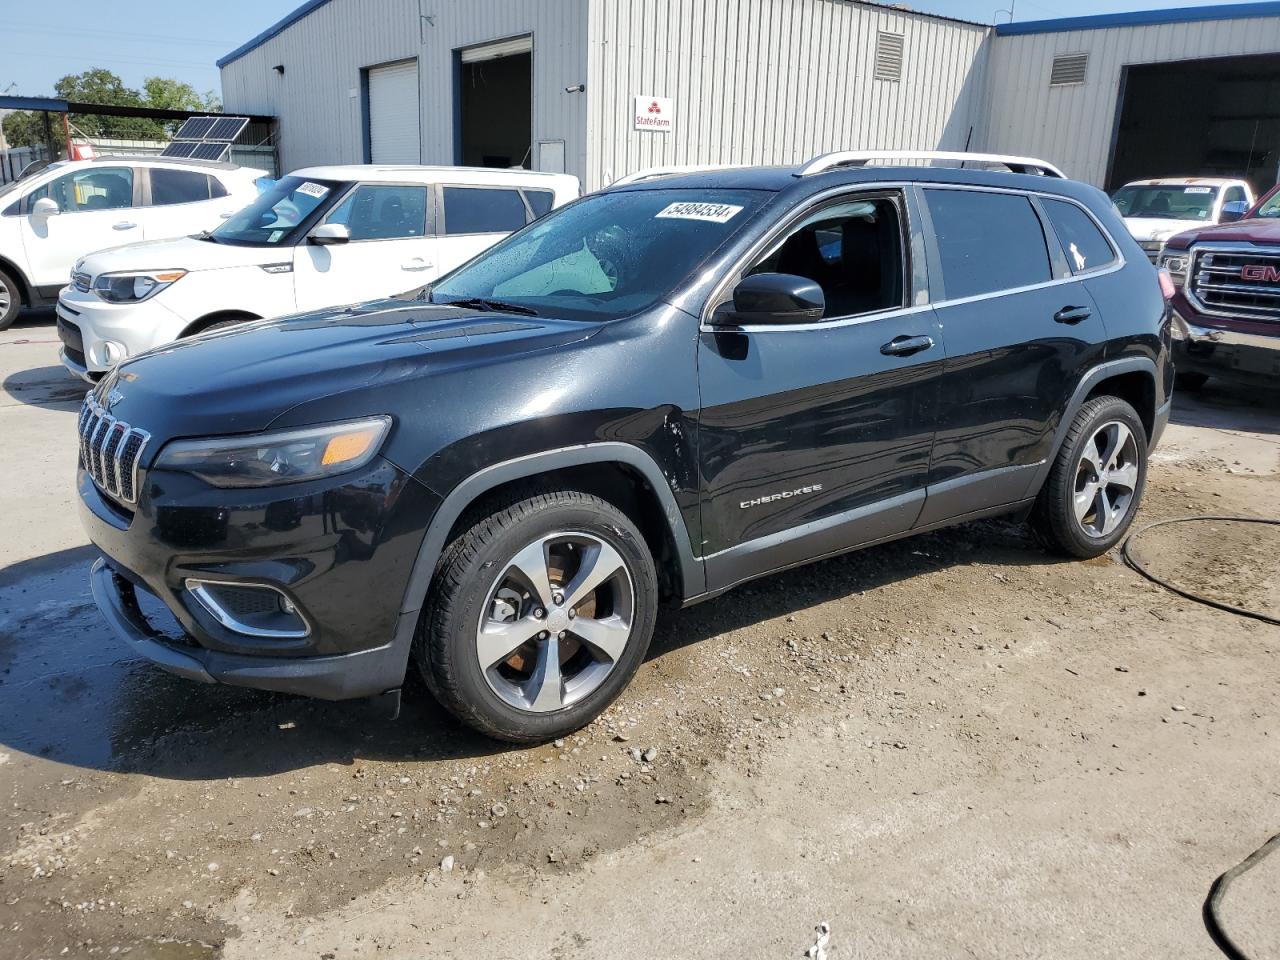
(226, 129)
(179, 150)
(196, 128)
(210, 151)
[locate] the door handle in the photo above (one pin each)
(1072, 315)
(417, 263)
(123, 225)
(905, 346)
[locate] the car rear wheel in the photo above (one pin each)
(1096, 482)
(10, 300)
(540, 613)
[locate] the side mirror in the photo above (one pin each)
(330, 233)
(776, 298)
(1233, 211)
(44, 208)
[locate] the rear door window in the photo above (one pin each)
(482, 210)
(1086, 248)
(383, 212)
(177, 186)
(987, 242)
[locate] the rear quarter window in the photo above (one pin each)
(1084, 244)
(482, 210)
(987, 242)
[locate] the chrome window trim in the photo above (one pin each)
(1212, 247)
(198, 588)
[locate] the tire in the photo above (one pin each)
(1190, 381)
(10, 300)
(1070, 520)
(219, 325)
(483, 601)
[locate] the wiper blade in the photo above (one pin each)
(499, 306)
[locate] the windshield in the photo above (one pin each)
(1166, 202)
(1270, 209)
(275, 216)
(607, 256)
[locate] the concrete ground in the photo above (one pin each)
(956, 745)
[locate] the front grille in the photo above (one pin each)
(72, 339)
(81, 281)
(1236, 283)
(110, 450)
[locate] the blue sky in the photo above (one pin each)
(182, 39)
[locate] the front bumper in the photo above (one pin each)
(97, 335)
(1219, 352)
(340, 550)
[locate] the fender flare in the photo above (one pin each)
(1091, 379)
(465, 493)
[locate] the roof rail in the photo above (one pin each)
(860, 158)
(650, 173)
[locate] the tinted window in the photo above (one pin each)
(482, 210)
(540, 202)
(177, 186)
(609, 255)
(99, 188)
(216, 188)
(853, 250)
(987, 241)
(383, 212)
(1085, 246)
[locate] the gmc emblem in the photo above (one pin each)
(1255, 271)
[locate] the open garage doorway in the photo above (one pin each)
(495, 104)
(1218, 117)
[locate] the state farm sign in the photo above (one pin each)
(654, 113)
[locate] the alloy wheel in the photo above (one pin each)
(556, 621)
(6, 298)
(1106, 479)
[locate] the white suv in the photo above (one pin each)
(75, 207)
(320, 237)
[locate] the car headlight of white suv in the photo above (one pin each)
(134, 287)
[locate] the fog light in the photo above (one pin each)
(108, 353)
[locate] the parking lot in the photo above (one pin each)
(953, 739)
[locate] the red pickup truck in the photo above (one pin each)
(1226, 319)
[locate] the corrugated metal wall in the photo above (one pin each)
(773, 81)
(318, 98)
(1072, 126)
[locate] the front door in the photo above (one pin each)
(814, 438)
(389, 251)
(97, 210)
(1019, 331)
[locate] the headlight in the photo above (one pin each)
(1175, 261)
(287, 456)
(134, 287)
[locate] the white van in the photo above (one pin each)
(320, 237)
(74, 207)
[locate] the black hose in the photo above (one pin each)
(1190, 595)
(1212, 922)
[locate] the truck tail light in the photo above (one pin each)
(1166, 284)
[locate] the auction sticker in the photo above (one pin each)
(713, 212)
(313, 189)
(1199, 190)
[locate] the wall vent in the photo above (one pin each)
(1069, 70)
(888, 56)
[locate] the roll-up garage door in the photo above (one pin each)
(393, 114)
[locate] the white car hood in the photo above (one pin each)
(1159, 228)
(181, 253)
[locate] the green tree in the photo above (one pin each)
(164, 93)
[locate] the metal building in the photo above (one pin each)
(599, 88)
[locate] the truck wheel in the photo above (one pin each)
(1190, 381)
(10, 300)
(1096, 482)
(540, 613)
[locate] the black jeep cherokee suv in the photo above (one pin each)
(653, 394)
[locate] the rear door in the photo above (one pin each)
(816, 437)
(389, 251)
(178, 203)
(474, 218)
(1020, 330)
(98, 208)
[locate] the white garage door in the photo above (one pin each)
(393, 114)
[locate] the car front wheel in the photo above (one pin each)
(1096, 482)
(10, 300)
(541, 612)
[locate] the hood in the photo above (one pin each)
(1259, 230)
(1156, 228)
(241, 379)
(180, 253)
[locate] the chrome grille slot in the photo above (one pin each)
(1236, 283)
(110, 450)
(81, 281)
